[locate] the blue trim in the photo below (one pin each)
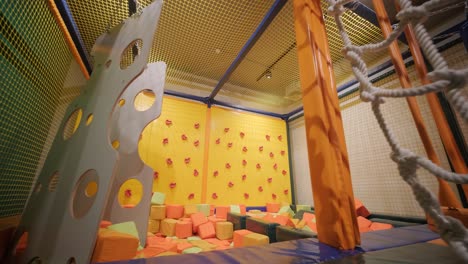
(293, 112)
(291, 176)
(185, 96)
(271, 14)
(67, 17)
(261, 208)
(214, 102)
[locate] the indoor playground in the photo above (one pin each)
(222, 131)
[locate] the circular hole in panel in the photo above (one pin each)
(72, 124)
(130, 193)
(54, 179)
(38, 187)
(35, 260)
(144, 100)
(91, 189)
(121, 102)
(71, 260)
(116, 144)
(89, 119)
(81, 202)
(130, 53)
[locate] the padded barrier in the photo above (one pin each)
(286, 233)
(262, 227)
(306, 250)
(397, 221)
(417, 253)
(238, 220)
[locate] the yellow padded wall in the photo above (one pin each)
(228, 186)
(173, 136)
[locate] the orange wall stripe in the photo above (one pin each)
(206, 155)
(67, 36)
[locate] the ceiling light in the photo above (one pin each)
(268, 74)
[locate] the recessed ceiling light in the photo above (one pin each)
(268, 74)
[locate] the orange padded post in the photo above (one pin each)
(446, 195)
(328, 158)
(445, 133)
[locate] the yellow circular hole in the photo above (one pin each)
(72, 124)
(144, 100)
(89, 119)
(91, 189)
(116, 144)
(121, 102)
(54, 179)
(130, 193)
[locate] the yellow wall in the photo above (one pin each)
(184, 115)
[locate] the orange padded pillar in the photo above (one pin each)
(446, 195)
(443, 127)
(328, 158)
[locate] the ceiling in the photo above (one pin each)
(199, 40)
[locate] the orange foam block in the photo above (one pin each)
(217, 242)
(224, 230)
(158, 212)
(281, 219)
(112, 245)
(222, 211)
(183, 229)
(167, 253)
(197, 220)
(312, 226)
(206, 230)
(183, 246)
(273, 207)
(168, 226)
(364, 224)
(380, 226)
(243, 209)
(166, 246)
(151, 252)
(150, 241)
(361, 210)
(174, 211)
(213, 219)
(190, 209)
(212, 209)
(153, 226)
(222, 247)
(105, 224)
(239, 235)
(308, 217)
(255, 239)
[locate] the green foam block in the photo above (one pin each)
(300, 207)
(191, 238)
(204, 208)
(126, 228)
(235, 209)
(192, 250)
(286, 209)
(158, 198)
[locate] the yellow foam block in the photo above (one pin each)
(112, 245)
(168, 226)
(224, 230)
(301, 224)
(202, 244)
(255, 239)
(167, 253)
(153, 226)
(190, 209)
(158, 212)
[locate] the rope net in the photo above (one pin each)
(450, 81)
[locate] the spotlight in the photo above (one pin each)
(268, 74)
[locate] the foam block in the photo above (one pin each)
(234, 209)
(286, 210)
(364, 224)
(255, 211)
(151, 241)
(192, 250)
(292, 222)
(158, 212)
(126, 228)
(112, 245)
(151, 252)
(380, 226)
(193, 238)
(183, 229)
(273, 207)
(189, 209)
(167, 253)
(183, 246)
(203, 244)
(238, 237)
(280, 219)
(153, 226)
(361, 210)
(312, 226)
(166, 246)
(224, 230)
(198, 219)
(168, 226)
(300, 207)
(217, 242)
(158, 198)
(213, 219)
(206, 230)
(212, 209)
(174, 211)
(204, 208)
(222, 211)
(186, 219)
(243, 209)
(308, 217)
(105, 224)
(255, 239)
